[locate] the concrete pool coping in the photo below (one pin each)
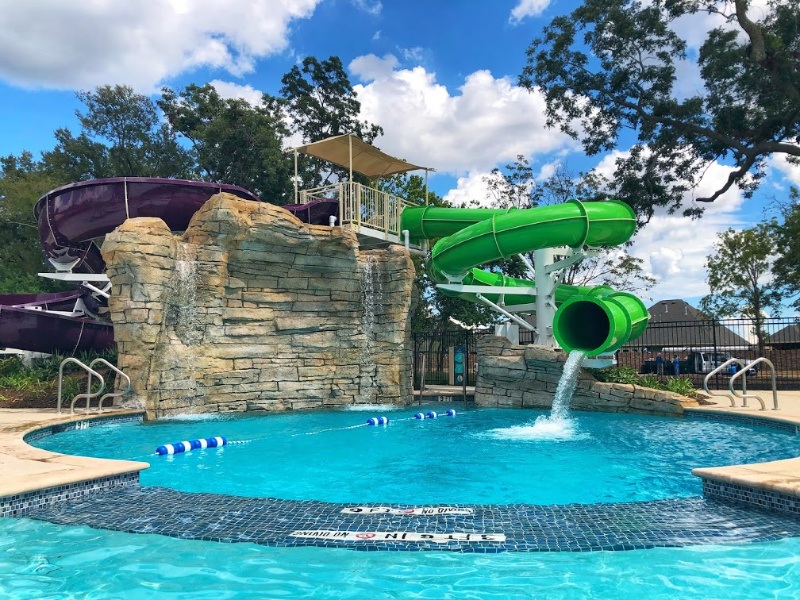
(25, 469)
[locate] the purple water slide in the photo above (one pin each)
(26, 324)
(316, 212)
(44, 301)
(39, 331)
(71, 217)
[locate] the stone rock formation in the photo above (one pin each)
(251, 309)
(527, 377)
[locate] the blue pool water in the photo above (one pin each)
(40, 561)
(481, 456)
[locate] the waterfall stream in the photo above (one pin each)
(371, 295)
(557, 426)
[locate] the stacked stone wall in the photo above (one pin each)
(250, 309)
(527, 376)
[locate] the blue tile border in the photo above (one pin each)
(745, 496)
(742, 419)
(20, 504)
(742, 495)
(85, 423)
(525, 527)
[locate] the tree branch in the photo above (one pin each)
(752, 30)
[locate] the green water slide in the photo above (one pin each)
(593, 319)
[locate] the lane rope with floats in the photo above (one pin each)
(220, 441)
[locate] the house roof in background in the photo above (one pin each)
(788, 335)
(672, 311)
(678, 324)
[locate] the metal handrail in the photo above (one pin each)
(87, 395)
(361, 206)
(733, 394)
(109, 394)
(743, 374)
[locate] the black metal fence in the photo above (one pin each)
(700, 345)
(445, 358)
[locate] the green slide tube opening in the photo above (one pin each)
(599, 322)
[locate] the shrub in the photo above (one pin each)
(618, 375)
(43, 372)
(680, 385)
(651, 381)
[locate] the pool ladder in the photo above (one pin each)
(89, 395)
(732, 395)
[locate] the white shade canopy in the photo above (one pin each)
(352, 153)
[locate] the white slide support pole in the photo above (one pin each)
(545, 297)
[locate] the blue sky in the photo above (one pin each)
(438, 75)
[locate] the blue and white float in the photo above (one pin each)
(378, 421)
(432, 414)
(190, 445)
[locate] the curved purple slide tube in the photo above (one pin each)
(71, 216)
(45, 301)
(41, 331)
(38, 331)
(316, 212)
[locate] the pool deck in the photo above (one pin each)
(778, 477)
(25, 469)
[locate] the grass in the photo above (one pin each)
(678, 385)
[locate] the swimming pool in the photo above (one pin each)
(43, 560)
(480, 456)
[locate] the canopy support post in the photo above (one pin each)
(350, 150)
(296, 200)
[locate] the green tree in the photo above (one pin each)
(740, 279)
(787, 244)
(22, 182)
(610, 67)
(121, 136)
(232, 141)
(321, 103)
(513, 185)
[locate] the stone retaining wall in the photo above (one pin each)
(250, 309)
(527, 376)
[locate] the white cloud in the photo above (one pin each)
(790, 171)
(548, 170)
(370, 67)
(527, 8)
(79, 45)
(470, 188)
(488, 122)
(415, 54)
(373, 9)
(228, 90)
(473, 188)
